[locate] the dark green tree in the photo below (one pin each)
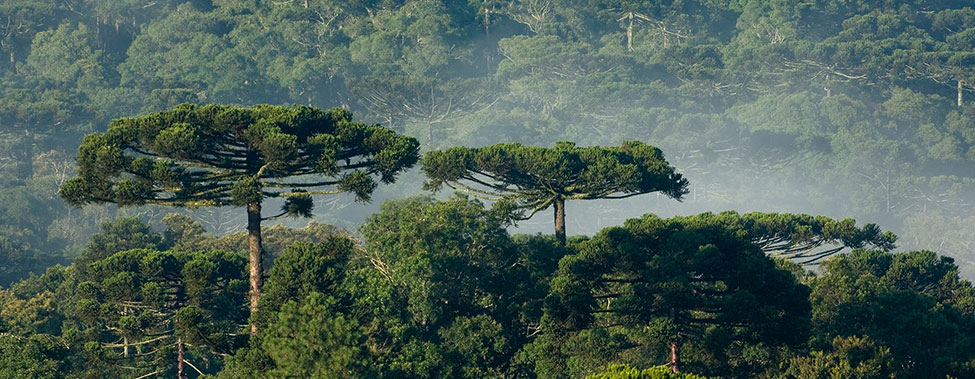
(310, 339)
(803, 238)
(36, 356)
(443, 293)
(138, 307)
(691, 291)
(913, 305)
(531, 179)
(627, 372)
(850, 357)
(305, 310)
(230, 156)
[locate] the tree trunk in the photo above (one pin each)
(180, 355)
(674, 357)
(826, 87)
(629, 34)
(256, 254)
(959, 93)
(487, 21)
(430, 134)
(125, 340)
(560, 221)
(674, 347)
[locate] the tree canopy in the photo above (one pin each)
(214, 155)
(531, 179)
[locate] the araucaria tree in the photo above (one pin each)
(531, 179)
(231, 156)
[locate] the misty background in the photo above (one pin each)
(860, 109)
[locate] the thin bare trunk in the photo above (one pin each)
(125, 340)
(180, 357)
(629, 34)
(959, 93)
(255, 250)
(487, 21)
(674, 357)
(826, 87)
(674, 346)
(560, 221)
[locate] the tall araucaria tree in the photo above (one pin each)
(219, 155)
(530, 179)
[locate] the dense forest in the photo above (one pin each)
(681, 145)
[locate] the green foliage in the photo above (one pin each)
(127, 233)
(238, 156)
(912, 303)
(531, 179)
(852, 108)
(303, 269)
(37, 356)
(627, 372)
(446, 287)
(697, 284)
(850, 357)
(311, 340)
(133, 305)
(535, 176)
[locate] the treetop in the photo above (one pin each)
(535, 176)
(226, 155)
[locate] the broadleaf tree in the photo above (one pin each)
(531, 179)
(218, 155)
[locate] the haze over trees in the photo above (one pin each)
(860, 108)
(167, 119)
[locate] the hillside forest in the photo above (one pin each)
(366, 188)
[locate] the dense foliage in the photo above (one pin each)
(440, 289)
(842, 108)
(861, 108)
(217, 156)
(529, 179)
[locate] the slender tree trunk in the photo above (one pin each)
(674, 346)
(560, 221)
(180, 357)
(125, 340)
(487, 21)
(430, 133)
(959, 93)
(629, 34)
(674, 357)
(256, 254)
(826, 87)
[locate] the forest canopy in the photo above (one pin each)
(781, 122)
